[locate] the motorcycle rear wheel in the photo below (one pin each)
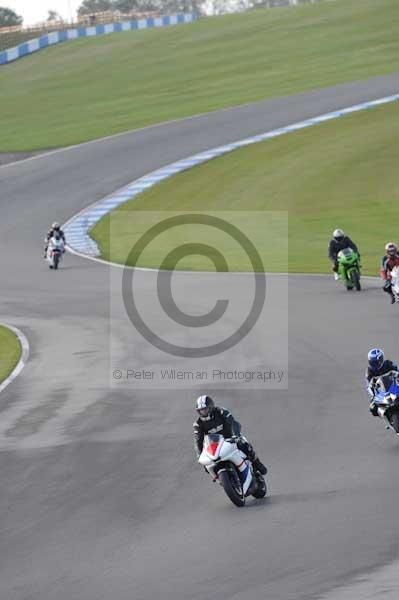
(235, 496)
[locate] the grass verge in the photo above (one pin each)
(10, 352)
(338, 174)
(85, 89)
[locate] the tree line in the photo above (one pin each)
(8, 17)
(169, 6)
(127, 6)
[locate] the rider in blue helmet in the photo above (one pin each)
(378, 365)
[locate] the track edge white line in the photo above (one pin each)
(23, 359)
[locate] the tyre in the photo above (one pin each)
(261, 490)
(235, 494)
(355, 278)
(56, 260)
(395, 421)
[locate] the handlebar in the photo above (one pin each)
(387, 374)
(377, 383)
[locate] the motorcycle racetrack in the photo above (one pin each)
(101, 495)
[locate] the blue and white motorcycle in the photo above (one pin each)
(228, 465)
(386, 399)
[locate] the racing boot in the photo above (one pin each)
(259, 466)
(373, 408)
(246, 447)
(388, 290)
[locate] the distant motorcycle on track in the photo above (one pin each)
(395, 283)
(349, 268)
(55, 250)
(386, 399)
(232, 469)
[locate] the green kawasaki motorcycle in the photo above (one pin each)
(349, 268)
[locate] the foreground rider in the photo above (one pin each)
(55, 229)
(338, 242)
(377, 367)
(214, 419)
(389, 261)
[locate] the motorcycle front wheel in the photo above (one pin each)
(355, 278)
(235, 494)
(395, 421)
(56, 260)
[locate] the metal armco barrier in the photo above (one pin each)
(57, 37)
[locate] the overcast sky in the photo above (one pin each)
(34, 11)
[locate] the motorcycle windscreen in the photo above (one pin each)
(385, 382)
(213, 441)
(213, 437)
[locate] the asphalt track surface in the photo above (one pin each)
(101, 497)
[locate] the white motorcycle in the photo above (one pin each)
(226, 463)
(55, 250)
(395, 283)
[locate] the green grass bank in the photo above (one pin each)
(89, 88)
(10, 352)
(338, 174)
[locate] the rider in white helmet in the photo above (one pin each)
(338, 242)
(55, 229)
(389, 261)
(215, 419)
